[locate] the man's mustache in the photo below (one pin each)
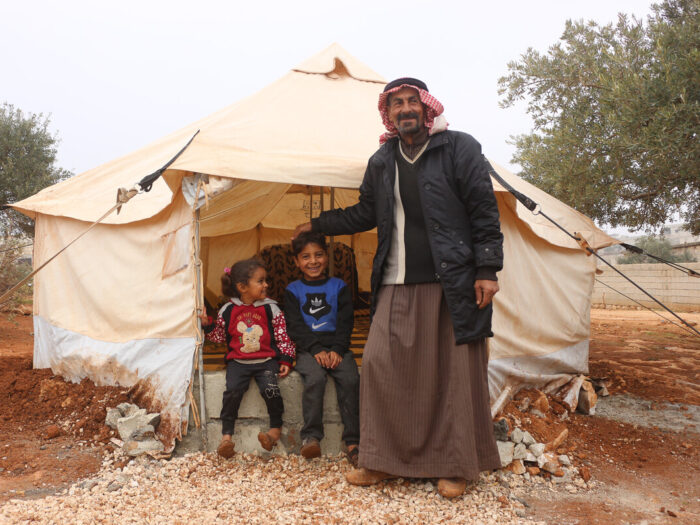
(411, 115)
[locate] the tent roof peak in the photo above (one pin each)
(335, 62)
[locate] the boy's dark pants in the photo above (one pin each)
(237, 380)
(347, 386)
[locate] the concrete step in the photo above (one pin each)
(253, 418)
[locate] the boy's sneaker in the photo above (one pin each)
(226, 449)
(353, 456)
(311, 448)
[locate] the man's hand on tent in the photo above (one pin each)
(485, 290)
(206, 320)
(306, 227)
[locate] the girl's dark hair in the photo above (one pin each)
(241, 272)
(305, 238)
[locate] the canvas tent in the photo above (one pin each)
(120, 305)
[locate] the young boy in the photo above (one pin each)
(320, 318)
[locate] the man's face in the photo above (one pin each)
(406, 111)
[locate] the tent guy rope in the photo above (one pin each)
(645, 306)
(123, 196)
(536, 210)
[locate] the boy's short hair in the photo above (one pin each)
(305, 238)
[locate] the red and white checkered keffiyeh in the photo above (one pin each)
(434, 119)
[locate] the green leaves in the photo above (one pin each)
(616, 112)
(27, 163)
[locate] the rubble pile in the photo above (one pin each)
(531, 432)
(136, 429)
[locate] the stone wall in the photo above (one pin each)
(675, 289)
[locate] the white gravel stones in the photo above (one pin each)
(201, 488)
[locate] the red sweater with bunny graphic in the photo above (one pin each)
(255, 331)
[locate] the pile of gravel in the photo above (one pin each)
(202, 488)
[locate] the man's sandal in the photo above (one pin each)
(451, 487)
(364, 477)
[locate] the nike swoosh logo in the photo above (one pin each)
(317, 326)
(314, 310)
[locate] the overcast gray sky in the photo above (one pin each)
(115, 76)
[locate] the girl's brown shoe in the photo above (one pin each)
(266, 441)
(226, 449)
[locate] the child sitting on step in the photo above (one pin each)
(320, 319)
(257, 345)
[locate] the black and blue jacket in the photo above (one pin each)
(319, 315)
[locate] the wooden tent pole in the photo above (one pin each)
(199, 349)
(331, 262)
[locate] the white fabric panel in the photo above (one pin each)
(162, 366)
(537, 371)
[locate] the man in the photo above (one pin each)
(424, 403)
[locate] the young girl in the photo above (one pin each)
(254, 330)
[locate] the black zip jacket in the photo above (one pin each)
(461, 218)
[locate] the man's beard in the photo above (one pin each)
(409, 129)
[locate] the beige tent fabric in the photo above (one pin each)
(545, 296)
(287, 132)
(241, 209)
(334, 59)
(566, 216)
(110, 285)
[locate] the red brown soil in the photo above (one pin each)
(646, 356)
(643, 470)
(34, 406)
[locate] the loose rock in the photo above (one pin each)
(505, 451)
(537, 449)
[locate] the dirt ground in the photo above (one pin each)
(641, 449)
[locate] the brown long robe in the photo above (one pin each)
(424, 401)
